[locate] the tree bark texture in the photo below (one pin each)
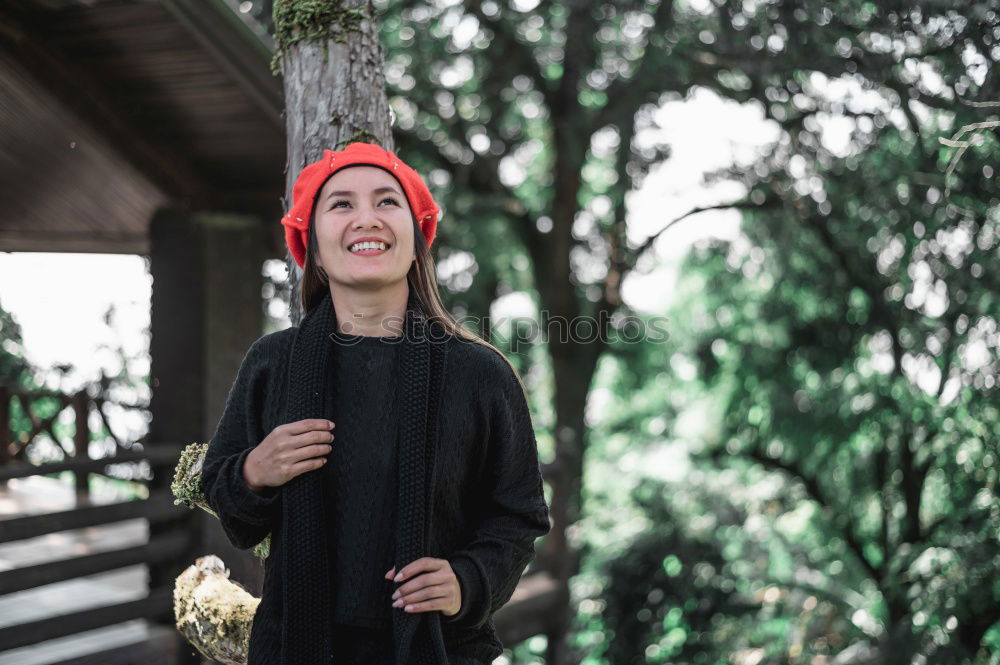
(334, 94)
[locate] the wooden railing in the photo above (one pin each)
(14, 444)
(170, 549)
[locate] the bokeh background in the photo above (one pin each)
(801, 195)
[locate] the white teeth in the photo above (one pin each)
(368, 244)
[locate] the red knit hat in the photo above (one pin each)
(313, 176)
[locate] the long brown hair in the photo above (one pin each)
(421, 277)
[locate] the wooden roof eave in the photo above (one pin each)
(75, 88)
(243, 53)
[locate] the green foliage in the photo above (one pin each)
(13, 367)
(838, 368)
(841, 346)
(834, 367)
(665, 593)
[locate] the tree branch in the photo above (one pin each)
(636, 254)
(815, 492)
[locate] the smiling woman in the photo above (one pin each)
(364, 234)
(396, 540)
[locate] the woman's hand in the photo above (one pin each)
(432, 586)
(289, 450)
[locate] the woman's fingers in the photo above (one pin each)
(307, 459)
(431, 597)
(308, 438)
(304, 446)
(430, 585)
(306, 465)
(292, 449)
(422, 581)
(308, 425)
(430, 589)
(307, 452)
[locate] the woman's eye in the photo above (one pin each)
(339, 201)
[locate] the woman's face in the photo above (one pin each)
(361, 202)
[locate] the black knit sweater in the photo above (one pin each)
(488, 505)
(361, 479)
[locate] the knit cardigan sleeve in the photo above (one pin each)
(246, 516)
(490, 565)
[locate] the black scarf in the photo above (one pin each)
(306, 630)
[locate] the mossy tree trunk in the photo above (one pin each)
(329, 55)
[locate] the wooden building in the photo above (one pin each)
(149, 127)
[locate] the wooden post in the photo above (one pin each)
(5, 438)
(81, 440)
(206, 311)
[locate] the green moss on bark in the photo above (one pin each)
(314, 21)
(360, 135)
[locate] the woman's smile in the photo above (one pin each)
(372, 251)
(369, 247)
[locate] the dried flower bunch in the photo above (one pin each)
(186, 487)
